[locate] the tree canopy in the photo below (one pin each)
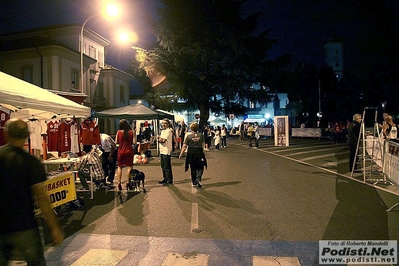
(211, 56)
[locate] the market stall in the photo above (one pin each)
(26, 100)
(29, 102)
(137, 112)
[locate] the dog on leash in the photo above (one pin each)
(136, 177)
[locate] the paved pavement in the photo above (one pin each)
(266, 206)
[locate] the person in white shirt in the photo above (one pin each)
(223, 135)
(165, 149)
(256, 136)
(109, 157)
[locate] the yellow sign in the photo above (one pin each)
(60, 189)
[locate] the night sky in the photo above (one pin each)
(301, 27)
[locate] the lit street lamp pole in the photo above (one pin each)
(81, 50)
(112, 11)
(319, 114)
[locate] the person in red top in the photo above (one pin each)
(125, 139)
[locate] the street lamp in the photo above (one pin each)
(319, 114)
(111, 10)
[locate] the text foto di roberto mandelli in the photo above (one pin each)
(361, 250)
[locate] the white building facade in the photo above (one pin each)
(49, 57)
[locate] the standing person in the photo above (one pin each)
(208, 138)
(250, 134)
(165, 149)
(256, 135)
(242, 131)
(182, 132)
(124, 139)
(389, 129)
(194, 141)
(223, 135)
(337, 132)
(353, 136)
(108, 157)
(217, 138)
(21, 181)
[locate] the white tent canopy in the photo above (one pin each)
(30, 101)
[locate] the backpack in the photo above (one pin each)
(251, 132)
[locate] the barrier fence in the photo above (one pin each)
(391, 161)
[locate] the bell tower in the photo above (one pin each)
(334, 56)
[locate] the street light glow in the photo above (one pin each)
(124, 36)
(110, 11)
(127, 37)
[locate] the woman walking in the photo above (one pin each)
(194, 141)
(125, 138)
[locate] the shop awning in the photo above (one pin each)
(30, 101)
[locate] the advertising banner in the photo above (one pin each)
(391, 161)
(60, 189)
(281, 131)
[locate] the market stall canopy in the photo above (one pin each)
(136, 111)
(165, 114)
(218, 121)
(179, 118)
(30, 101)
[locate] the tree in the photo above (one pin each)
(211, 55)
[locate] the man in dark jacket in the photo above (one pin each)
(353, 137)
(21, 184)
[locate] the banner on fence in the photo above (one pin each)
(60, 189)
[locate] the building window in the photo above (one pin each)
(100, 59)
(92, 52)
(122, 94)
(74, 79)
(100, 89)
(27, 73)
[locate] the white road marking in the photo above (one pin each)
(324, 155)
(194, 217)
(186, 259)
(275, 261)
(101, 257)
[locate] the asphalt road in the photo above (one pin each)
(290, 196)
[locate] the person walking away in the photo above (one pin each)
(250, 134)
(353, 136)
(108, 158)
(21, 183)
(217, 138)
(223, 135)
(242, 131)
(165, 149)
(256, 135)
(124, 139)
(195, 158)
